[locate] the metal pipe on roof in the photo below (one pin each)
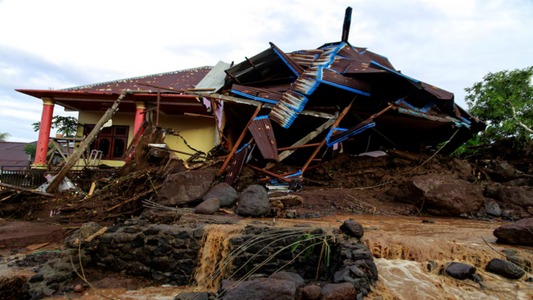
(347, 23)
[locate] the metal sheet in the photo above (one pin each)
(283, 115)
(264, 137)
(235, 166)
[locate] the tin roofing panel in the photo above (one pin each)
(264, 137)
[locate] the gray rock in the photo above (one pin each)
(504, 268)
(352, 228)
(185, 187)
(225, 193)
(492, 208)
(254, 202)
(88, 229)
(338, 291)
(348, 274)
(192, 296)
(461, 271)
(297, 279)
(499, 170)
(263, 289)
(519, 258)
(208, 207)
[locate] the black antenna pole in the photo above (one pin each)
(347, 22)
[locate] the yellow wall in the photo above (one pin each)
(199, 132)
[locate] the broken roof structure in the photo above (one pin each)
(374, 105)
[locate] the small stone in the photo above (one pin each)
(504, 268)
(208, 207)
(312, 292)
(460, 271)
(352, 228)
(78, 288)
(338, 291)
(428, 221)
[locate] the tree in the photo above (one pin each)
(505, 101)
(68, 126)
(4, 136)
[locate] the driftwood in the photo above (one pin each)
(96, 234)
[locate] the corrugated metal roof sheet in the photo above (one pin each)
(178, 80)
(263, 134)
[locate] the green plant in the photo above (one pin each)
(31, 149)
(4, 136)
(505, 101)
(68, 126)
(326, 249)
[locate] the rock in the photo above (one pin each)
(208, 207)
(263, 289)
(463, 169)
(312, 292)
(225, 193)
(78, 288)
(460, 271)
(504, 268)
(520, 233)
(338, 291)
(352, 228)
(428, 221)
(441, 194)
(291, 214)
(253, 202)
(517, 195)
(297, 279)
(88, 229)
(192, 296)
(185, 187)
(499, 170)
(348, 274)
(519, 258)
(492, 208)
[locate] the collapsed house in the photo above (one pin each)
(300, 108)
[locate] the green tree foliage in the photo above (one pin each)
(505, 101)
(4, 136)
(31, 150)
(66, 126)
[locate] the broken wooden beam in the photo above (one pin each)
(298, 147)
(17, 188)
(337, 122)
(307, 138)
(73, 159)
(236, 146)
(267, 172)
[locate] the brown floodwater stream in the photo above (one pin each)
(402, 247)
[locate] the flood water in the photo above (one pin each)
(402, 247)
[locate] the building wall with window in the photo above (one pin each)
(197, 131)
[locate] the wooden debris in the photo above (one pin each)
(96, 234)
(36, 246)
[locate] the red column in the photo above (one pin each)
(139, 116)
(44, 132)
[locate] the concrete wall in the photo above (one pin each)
(198, 132)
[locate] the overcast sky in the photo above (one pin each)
(56, 44)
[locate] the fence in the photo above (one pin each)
(33, 178)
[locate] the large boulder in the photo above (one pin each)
(225, 193)
(185, 187)
(441, 194)
(208, 207)
(520, 233)
(263, 289)
(461, 271)
(253, 202)
(492, 208)
(338, 291)
(504, 268)
(521, 196)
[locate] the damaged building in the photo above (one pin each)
(301, 108)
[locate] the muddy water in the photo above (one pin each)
(402, 246)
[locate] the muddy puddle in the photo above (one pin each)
(402, 247)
